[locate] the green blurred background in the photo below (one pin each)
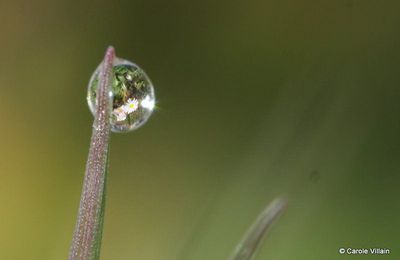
(255, 99)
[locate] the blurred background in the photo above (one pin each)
(256, 99)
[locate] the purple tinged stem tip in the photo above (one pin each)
(88, 230)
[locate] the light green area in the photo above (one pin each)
(255, 99)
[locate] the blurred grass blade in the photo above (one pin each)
(86, 241)
(248, 246)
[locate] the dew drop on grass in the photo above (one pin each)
(132, 95)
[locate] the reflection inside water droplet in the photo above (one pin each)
(132, 93)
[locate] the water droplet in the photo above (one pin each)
(132, 93)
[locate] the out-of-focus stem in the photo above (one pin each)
(88, 230)
(250, 243)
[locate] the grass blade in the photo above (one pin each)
(250, 243)
(87, 236)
